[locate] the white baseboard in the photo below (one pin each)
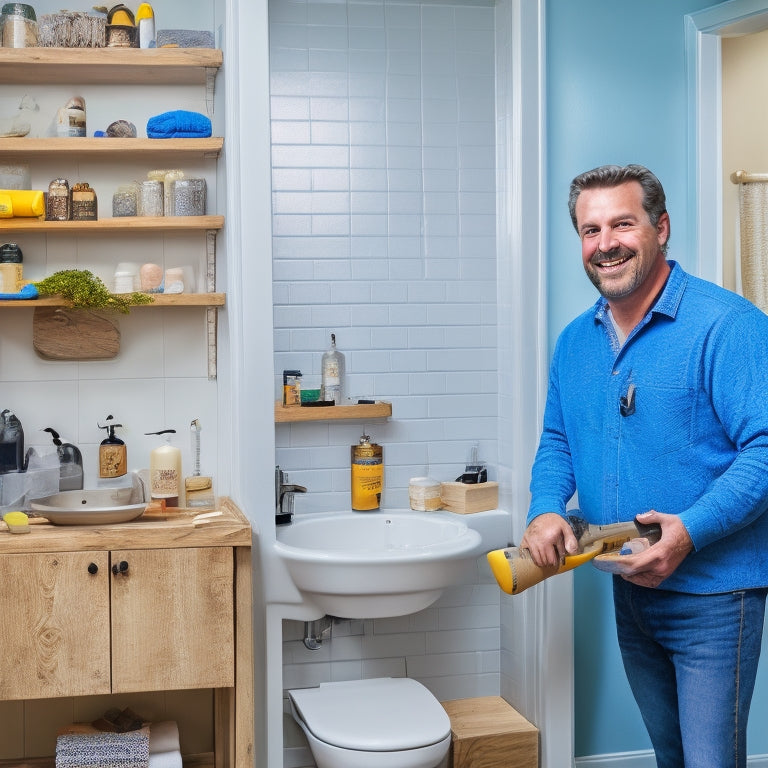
(644, 759)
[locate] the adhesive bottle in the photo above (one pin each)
(165, 479)
(332, 374)
(367, 475)
(113, 455)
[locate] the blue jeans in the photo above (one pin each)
(691, 661)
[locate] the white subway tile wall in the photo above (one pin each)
(383, 155)
(384, 212)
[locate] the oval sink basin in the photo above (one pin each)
(91, 507)
(374, 564)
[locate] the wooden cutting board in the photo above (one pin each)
(59, 333)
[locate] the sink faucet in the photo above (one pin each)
(284, 492)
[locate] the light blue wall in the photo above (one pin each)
(616, 93)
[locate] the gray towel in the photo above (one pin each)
(103, 750)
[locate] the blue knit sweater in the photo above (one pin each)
(693, 443)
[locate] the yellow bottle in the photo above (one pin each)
(367, 475)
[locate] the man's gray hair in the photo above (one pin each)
(654, 199)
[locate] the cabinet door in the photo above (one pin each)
(172, 619)
(54, 632)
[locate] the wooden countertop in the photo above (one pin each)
(172, 528)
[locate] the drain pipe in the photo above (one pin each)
(316, 631)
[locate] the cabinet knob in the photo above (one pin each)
(120, 567)
(93, 568)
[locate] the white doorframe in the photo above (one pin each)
(536, 627)
(703, 33)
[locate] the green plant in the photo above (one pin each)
(86, 291)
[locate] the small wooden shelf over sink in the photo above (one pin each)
(377, 410)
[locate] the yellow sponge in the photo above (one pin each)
(23, 202)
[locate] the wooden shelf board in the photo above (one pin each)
(14, 145)
(162, 66)
(160, 300)
(118, 224)
(377, 410)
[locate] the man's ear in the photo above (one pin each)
(663, 228)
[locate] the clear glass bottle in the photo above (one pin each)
(332, 374)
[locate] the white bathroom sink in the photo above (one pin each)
(374, 564)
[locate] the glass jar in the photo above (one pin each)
(58, 203)
(124, 201)
(187, 197)
(150, 197)
(84, 202)
(18, 26)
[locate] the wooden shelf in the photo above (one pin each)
(161, 66)
(294, 413)
(119, 224)
(160, 300)
(128, 148)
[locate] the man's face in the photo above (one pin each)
(620, 248)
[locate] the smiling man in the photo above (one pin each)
(656, 408)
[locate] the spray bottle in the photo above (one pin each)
(113, 455)
(367, 476)
(165, 480)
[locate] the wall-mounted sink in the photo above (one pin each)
(374, 564)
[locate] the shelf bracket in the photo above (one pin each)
(211, 314)
(210, 78)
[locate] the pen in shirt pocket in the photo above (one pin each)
(627, 403)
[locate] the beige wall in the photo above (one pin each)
(745, 131)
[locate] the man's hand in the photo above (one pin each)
(549, 538)
(650, 567)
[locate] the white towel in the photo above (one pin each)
(164, 737)
(165, 759)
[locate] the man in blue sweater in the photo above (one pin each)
(658, 408)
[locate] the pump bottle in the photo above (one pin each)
(165, 479)
(113, 455)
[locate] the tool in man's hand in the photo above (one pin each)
(515, 570)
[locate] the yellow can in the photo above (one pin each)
(367, 480)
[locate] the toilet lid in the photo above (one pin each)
(379, 715)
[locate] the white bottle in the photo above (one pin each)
(332, 374)
(165, 480)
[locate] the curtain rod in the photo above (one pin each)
(742, 177)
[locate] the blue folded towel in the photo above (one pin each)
(27, 292)
(179, 124)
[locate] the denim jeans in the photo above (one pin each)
(691, 662)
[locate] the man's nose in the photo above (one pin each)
(607, 240)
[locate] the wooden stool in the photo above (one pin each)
(488, 733)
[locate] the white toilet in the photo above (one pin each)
(384, 722)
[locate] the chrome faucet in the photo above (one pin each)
(284, 495)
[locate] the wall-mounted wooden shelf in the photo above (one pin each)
(161, 66)
(159, 300)
(118, 224)
(332, 413)
(209, 148)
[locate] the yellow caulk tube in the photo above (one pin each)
(514, 569)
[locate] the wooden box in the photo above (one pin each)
(488, 733)
(464, 498)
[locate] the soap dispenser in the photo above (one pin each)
(70, 463)
(165, 479)
(113, 455)
(11, 443)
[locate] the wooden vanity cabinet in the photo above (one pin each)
(170, 609)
